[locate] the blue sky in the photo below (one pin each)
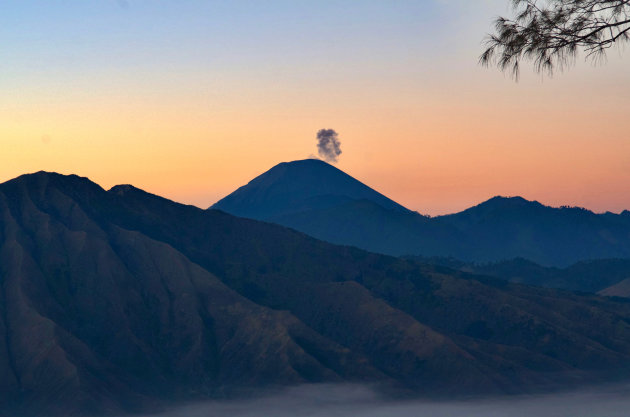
(191, 99)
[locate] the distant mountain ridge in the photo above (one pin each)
(610, 277)
(123, 301)
(312, 197)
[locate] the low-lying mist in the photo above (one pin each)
(347, 400)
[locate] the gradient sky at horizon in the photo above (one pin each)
(192, 99)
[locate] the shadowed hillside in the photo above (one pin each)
(123, 301)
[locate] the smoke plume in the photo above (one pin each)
(328, 145)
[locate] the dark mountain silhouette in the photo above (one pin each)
(603, 276)
(300, 185)
(505, 228)
(121, 300)
(501, 228)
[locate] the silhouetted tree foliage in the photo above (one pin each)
(551, 32)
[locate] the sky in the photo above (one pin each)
(192, 99)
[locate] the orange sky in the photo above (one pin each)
(423, 124)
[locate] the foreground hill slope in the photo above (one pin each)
(122, 301)
(311, 196)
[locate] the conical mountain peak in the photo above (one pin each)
(299, 186)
